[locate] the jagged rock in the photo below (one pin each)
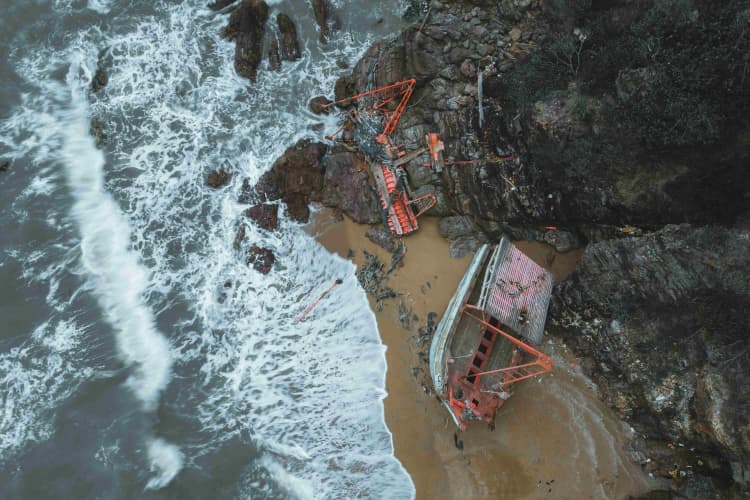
(665, 318)
(381, 236)
(317, 105)
(218, 178)
(262, 259)
(100, 80)
(4, 166)
(346, 186)
(289, 42)
(265, 214)
(247, 25)
(296, 177)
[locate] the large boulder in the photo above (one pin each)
(247, 26)
(262, 259)
(664, 317)
(346, 186)
(266, 215)
(296, 177)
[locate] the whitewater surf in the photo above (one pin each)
(144, 357)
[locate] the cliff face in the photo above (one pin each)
(627, 126)
(663, 318)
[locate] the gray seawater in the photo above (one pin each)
(139, 356)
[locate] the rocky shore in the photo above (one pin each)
(626, 124)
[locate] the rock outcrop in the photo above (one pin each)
(247, 26)
(664, 320)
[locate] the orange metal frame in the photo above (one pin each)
(543, 363)
(384, 96)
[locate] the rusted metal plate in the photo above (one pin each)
(517, 291)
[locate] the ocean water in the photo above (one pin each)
(140, 357)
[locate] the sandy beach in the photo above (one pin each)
(553, 438)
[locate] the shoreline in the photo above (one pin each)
(582, 458)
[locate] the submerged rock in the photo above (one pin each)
(100, 80)
(665, 318)
(262, 259)
(317, 105)
(218, 178)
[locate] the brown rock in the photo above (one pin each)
(265, 214)
(346, 186)
(262, 259)
(317, 105)
(289, 42)
(247, 25)
(218, 178)
(274, 55)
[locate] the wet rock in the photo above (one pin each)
(4, 166)
(262, 259)
(218, 178)
(382, 237)
(288, 33)
(100, 80)
(265, 214)
(346, 186)
(274, 55)
(317, 105)
(96, 129)
(239, 237)
(247, 28)
(296, 177)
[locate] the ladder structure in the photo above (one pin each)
(374, 120)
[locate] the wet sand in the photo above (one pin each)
(553, 438)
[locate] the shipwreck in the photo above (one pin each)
(486, 340)
(370, 123)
